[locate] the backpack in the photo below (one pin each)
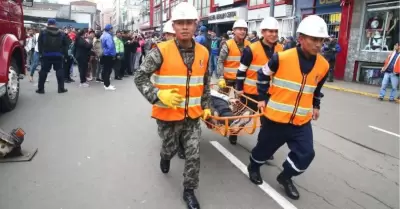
(44, 34)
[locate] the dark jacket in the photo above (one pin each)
(82, 48)
(52, 43)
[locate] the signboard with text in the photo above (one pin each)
(327, 6)
(229, 15)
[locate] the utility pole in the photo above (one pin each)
(272, 8)
(162, 14)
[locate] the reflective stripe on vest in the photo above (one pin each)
(291, 91)
(193, 101)
(292, 86)
(178, 80)
(259, 60)
(173, 73)
(232, 62)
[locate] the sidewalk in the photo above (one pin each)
(357, 88)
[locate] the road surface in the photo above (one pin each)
(100, 150)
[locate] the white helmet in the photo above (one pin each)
(168, 27)
(240, 23)
(269, 23)
(184, 11)
(314, 26)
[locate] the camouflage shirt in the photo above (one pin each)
(223, 54)
(152, 63)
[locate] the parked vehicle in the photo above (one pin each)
(12, 52)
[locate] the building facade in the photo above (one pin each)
(106, 17)
(79, 14)
(219, 15)
(374, 30)
(284, 13)
(85, 11)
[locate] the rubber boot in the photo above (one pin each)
(254, 174)
(290, 189)
(233, 139)
(164, 165)
(190, 199)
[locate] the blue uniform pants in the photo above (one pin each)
(273, 135)
(46, 65)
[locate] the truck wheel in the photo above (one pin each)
(9, 100)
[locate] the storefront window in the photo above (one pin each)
(256, 2)
(205, 8)
(381, 27)
(370, 73)
(333, 22)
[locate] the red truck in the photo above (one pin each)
(12, 52)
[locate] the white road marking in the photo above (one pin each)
(384, 131)
(284, 203)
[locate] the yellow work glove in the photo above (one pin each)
(206, 114)
(170, 97)
(221, 83)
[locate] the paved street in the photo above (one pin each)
(100, 150)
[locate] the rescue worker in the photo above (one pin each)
(180, 95)
(229, 59)
(52, 46)
(169, 32)
(292, 101)
(255, 56)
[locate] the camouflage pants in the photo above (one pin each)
(188, 133)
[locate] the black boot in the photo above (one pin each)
(254, 175)
(190, 199)
(164, 165)
(64, 90)
(40, 91)
(181, 153)
(290, 189)
(233, 139)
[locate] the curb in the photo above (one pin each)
(357, 92)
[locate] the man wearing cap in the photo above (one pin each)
(229, 59)
(202, 37)
(290, 86)
(330, 50)
(180, 95)
(108, 58)
(52, 46)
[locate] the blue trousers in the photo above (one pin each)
(394, 80)
(273, 135)
(213, 65)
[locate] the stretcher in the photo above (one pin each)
(244, 120)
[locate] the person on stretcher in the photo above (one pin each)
(220, 106)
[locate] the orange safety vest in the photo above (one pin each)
(259, 60)
(232, 62)
(396, 68)
(291, 91)
(173, 73)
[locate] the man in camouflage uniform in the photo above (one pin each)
(187, 131)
